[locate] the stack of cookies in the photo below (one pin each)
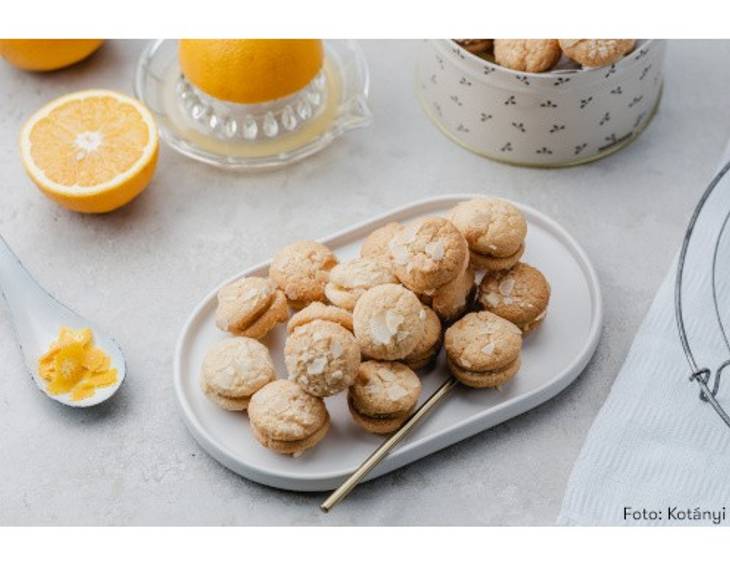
(366, 326)
(540, 55)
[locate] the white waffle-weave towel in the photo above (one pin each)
(654, 447)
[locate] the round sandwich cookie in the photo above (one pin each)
(483, 349)
(376, 244)
(287, 419)
(476, 46)
(520, 295)
(322, 357)
(426, 350)
(389, 322)
(250, 307)
(527, 55)
(596, 52)
(453, 299)
(383, 396)
(301, 270)
(349, 280)
(428, 254)
(233, 370)
(320, 311)
(494, 229)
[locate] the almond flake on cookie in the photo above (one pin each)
(386, 375)
(435, 250)
(488, 349)
(379, 328)
(506, 286)
(316, 366)
(393, 320)
(396, 391)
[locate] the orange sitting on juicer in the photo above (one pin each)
(250, 71)
(254, 103)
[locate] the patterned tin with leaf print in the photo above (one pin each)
(553, 119)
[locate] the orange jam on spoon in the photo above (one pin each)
(74, 365)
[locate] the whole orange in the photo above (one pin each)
(250, 71)
(47, 54)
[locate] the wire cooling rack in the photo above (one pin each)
(706, 239)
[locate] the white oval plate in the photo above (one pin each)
(553, 357)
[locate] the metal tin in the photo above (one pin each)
(552, 119)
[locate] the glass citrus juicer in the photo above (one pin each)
(253, 103)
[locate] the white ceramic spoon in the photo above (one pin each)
(38, 318)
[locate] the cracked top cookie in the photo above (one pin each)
(251, 307)
(428, 254)
(234, 369)
(349, 280)
(520, 295)
(389, 322)
(301, 270)
(320, 311)
(322, 357)
(453, 299)
(490, 225)
(287, 419)
(528, 55)
(385, 389)
(376, 244)
(475, 46)
(596, 52)
(240, 302)
(483, 341)
(494, 229)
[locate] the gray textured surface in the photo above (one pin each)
(140, 270)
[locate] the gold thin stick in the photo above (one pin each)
(376, 457)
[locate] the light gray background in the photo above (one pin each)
(139, 272)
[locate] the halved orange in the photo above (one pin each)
(91, 151)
